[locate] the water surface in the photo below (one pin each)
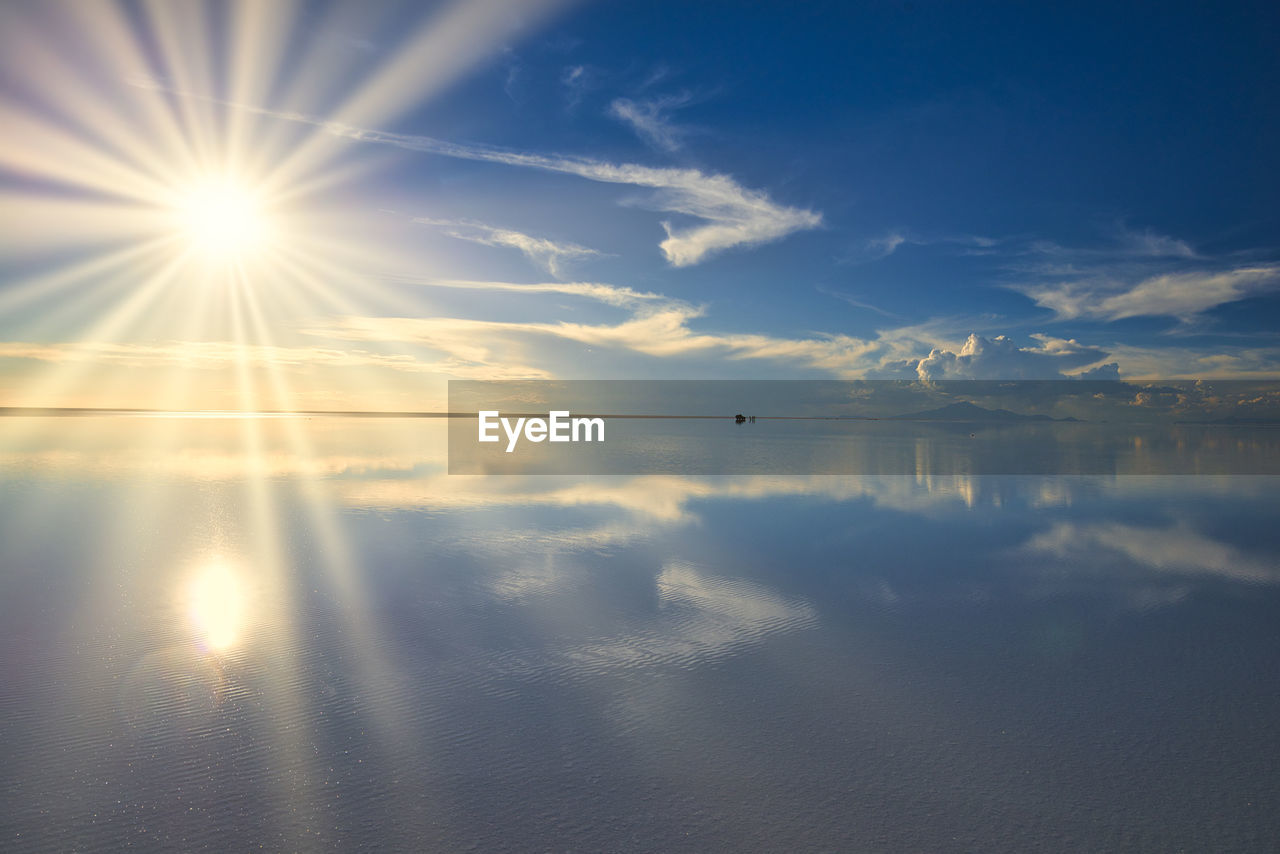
(304, 634)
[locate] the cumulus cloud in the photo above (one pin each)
(1001, 358)
(547, 254)
(1180, 295)
(661, 326)
(650, 120)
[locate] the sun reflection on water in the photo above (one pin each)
(217, 605)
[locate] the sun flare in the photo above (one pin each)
(223, 218)
(216, 604)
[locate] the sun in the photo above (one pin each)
(217, 605)
(223, 218)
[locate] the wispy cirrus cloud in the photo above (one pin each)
(888, 243)
(650, 119)
(544, 252)
(616, 295)
(659, 326)
(654, 325)
(732, 216)
(471, 362)
(1133, 273)
(1222, 362)
(1182, 295)
(1120, 243)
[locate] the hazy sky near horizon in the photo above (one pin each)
(340, 204)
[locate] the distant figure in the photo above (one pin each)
(752, 419)
(739, 418)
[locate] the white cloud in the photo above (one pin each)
(547, 254)
(464, 359)
(1219, 363)
(733, 216)
(1121, 244)
(1174, 550)
(660, 330)
(609, 294)
(878, 248)
(576, 82)
(660, 326)
(1180, 295)
(883, 247)
(649, 119)
(1152, 245)
(1001, 358)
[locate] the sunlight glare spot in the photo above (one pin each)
(223, 219)
(216, 603)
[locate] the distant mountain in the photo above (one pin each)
(1239, 420)
(965, 411)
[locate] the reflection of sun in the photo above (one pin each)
(223, 218)
(216, 604)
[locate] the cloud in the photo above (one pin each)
(1001, 358)
(853, 301)
(577, 81)
(649, 119)
(659, 330)
(660, 326)
(732, 215)
(883, 247)
(1175, 550)
(700, 617)
(546, 253)
(1152, 245)
(1219, 362)
(1120, 243)
(1180, 295)
(878, 248)
(475, 361)
(615, 295)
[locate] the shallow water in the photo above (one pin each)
(306, 635)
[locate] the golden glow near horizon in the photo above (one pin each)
(223, 218)
(217, 605)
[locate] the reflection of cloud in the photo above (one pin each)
(700, 617)
(202, 464)
(1175, 550)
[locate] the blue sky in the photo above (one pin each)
(641, 190)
